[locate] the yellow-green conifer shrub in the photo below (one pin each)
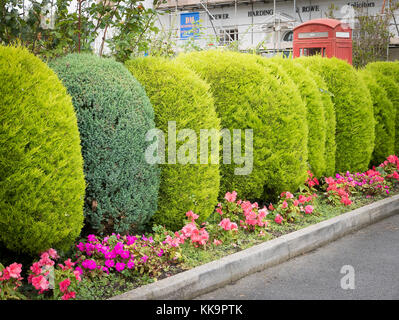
(41, 172)
(389, 82)
(384, 115)
(353, 109)
(178, 95)
(250, 97)
(315, 114)
(329, 113)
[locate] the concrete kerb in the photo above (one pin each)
(208, 277)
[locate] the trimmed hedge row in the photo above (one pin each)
(355, 122)
(306, 114)
(247, 96)
(178, 94)
(114, 115)
(41, 167)
(315, 114)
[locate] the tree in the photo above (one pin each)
(372, 34)
(51, 28)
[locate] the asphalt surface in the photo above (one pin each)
(373, 252)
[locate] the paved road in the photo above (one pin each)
(373, 252)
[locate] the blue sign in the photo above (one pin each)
(189, 23)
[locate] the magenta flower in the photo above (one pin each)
(120, 266)
(130, 264)
(109, 263)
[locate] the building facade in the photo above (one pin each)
(253, 24)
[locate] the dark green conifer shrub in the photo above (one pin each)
(114, 115)
(180, 96)
(353, 109)
(249, 97)
(41, 167)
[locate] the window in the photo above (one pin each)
(289, 36)
(227, 36)
(307, 52)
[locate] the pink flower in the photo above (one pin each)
(69, 263)
(392, 159)
(278, 219)
(330, 180)
(77, 275)
(64, 285)
(285, 205)
(217, 242)
(69, 295)
(35, 268)
(45, 260)
(14, 270)
(192, 215)
(231, 197)
(188, 229)
(227, 225)
(289, 195)
(296, 203)
(40, 283)
(262, 213)
(53, 253)
(308, 209)
(346, 201)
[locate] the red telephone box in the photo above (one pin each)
(326, 37)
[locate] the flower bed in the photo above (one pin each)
(103, 267)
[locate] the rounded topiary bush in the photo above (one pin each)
(114, 115)
(41, 172)
(386, 80)
(181, 100)
(384, 115)
(329, 113)
(315, 114)
(353, 109)
(387, 68)
(249, 97)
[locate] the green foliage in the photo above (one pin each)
(384, 115)
(387, 76)
(315, 114)
(41, 171)
(51, 29)
(354, 112)
(114, 115)
(249, 97)
(329, 113)
(177, 94)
